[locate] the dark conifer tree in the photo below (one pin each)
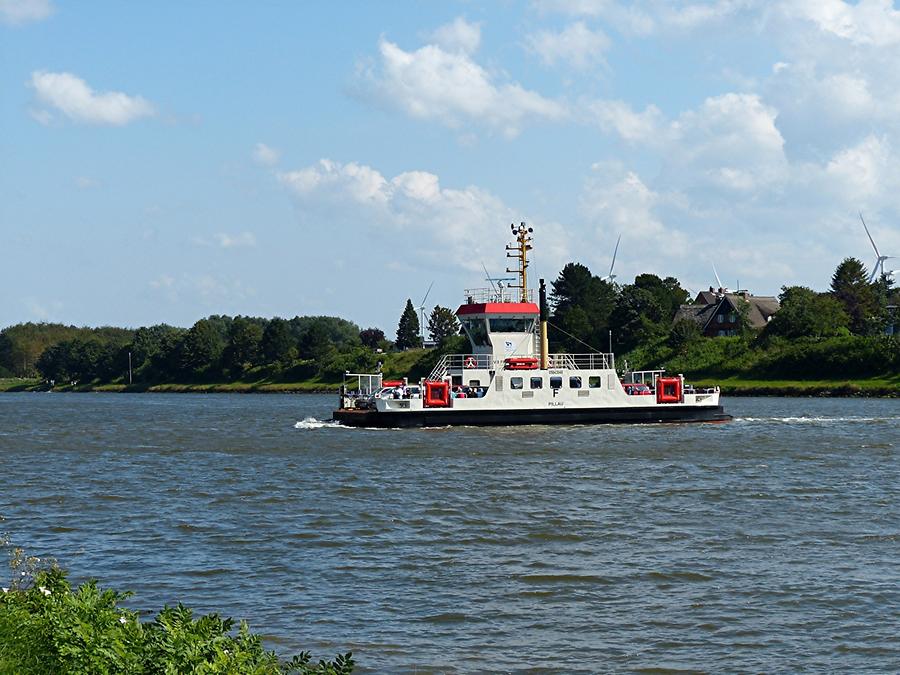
(408, 328)
(850, 285)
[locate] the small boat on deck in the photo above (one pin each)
(508, 377)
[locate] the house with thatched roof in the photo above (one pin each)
(718, 313)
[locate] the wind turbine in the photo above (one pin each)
(422, 312)
(879, 259)
(612, 277)
(719, 281)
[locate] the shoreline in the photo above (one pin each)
(730, 387)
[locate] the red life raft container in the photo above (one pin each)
(437, 394)
(521, 363)
(669, 390)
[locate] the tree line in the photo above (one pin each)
(587, 314)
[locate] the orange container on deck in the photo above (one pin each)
(437, 394)
(521, 363)
(668, 390)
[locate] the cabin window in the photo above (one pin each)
(476, 329)
(732, 318)
(556, 382)
(595, 381)
(720, 318)
(512, 325)
(537, 382)
(575, 382)
(516, 383)
(456, 380)
(474, 383)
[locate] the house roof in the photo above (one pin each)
(707, 305)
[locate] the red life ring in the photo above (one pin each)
(470, 362)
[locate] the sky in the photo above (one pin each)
(163, 161)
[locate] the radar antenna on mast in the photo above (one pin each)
(519, 251)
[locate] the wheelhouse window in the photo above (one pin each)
(595, 382)
(556, 382)
(575, 382)
(516, 383)
(537, 382)
(476, 329)
(512, 325)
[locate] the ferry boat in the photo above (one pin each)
(509, 377)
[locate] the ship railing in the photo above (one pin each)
(596, 361)
(505, 294)
(456, 362)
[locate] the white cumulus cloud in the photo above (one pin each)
(265, 155)
(17, 12)
(576, 45)
(73, 97)
(868, 22)
(617, 116)
(458, 35)
(442, 225)
(434, 83)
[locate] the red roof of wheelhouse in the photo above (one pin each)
(498, 308)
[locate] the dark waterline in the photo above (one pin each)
(767, 544)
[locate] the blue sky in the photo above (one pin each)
(165, 161)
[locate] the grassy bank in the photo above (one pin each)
(413, 362)
(874, 387)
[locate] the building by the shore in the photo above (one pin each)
(718, 312)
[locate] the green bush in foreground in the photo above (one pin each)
(46, 627)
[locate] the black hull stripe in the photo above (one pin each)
(426, 418)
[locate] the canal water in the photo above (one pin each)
(771, 543)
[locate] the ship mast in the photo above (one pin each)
(519, 250)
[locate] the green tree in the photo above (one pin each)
(202, 347)
(243, 350)
(147, 343)
(278, 345)
(805, 313)
(408, 328)
(165, 363)
(668, 293)
(851, 287)
(442, 323)
(315, 342)
(22, 344)
(683, 333)
(340, 332)
(638, 317)
(582, 304)
(372, 337)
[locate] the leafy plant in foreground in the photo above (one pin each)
(47, 627)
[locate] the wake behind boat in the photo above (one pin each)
(510, 378)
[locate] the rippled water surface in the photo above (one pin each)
(768, 544)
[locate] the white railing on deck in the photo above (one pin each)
(462, 362)
(482, 295)
(457, 362)
(596, 361)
